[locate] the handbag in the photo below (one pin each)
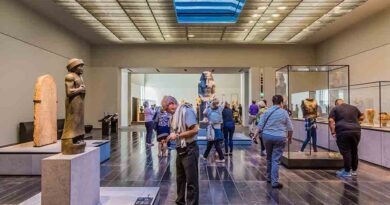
(266, 120)
(210, 133)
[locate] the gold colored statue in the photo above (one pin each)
(370, 116)
(384, 118)
(309, 108)
(73, 133)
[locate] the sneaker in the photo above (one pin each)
(343, 173)
(262, 153)
(354, 173)
(230, 153)
(226, 154)
(220, 160)
(277, 186)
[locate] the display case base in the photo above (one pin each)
(115, 195)
(25, 159)
(317, 160)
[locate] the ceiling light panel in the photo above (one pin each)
(260, 21)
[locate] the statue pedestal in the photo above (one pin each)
(71, 179)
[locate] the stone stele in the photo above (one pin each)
(45, 111)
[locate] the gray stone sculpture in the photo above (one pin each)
(73, 133)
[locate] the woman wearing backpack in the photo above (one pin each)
(214, 133)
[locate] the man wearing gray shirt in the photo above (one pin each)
(184, 128)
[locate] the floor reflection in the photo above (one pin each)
(240, 180)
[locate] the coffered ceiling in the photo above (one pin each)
(260, 21)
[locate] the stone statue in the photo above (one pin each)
(45, 111)
(73, 133)
(206, 91)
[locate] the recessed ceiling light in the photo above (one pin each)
(255, 15)
(275, 15)
(261, 7)
(282, 7)
(246, 29)
(269, 22)
(251, 21)
(168, 35)
(263, 29)
(191, 35)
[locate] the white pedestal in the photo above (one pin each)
(71, 179)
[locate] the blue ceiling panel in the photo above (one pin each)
(208, 11)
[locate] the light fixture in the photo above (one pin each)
(246, 29)
(269, 22)
(275, 15)
(282, 8)
(191, 35)
(168, 36)
(255, 15)
(261, 7)
(263, 29)
(251, 21)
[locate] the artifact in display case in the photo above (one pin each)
(45, 111)
(370, 114)
(372, 99)
(384, 118)
(72, 140)
(310, 93)
(309, 108)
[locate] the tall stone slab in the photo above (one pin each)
(45, 111)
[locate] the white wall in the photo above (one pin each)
(364, 46)
(185, 86)
(31, 46)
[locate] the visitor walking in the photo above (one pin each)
(273, 126)
(345, 127)
(311, 133)
(253, 111)
(161, 121)
(148, 113)
(214, 129)
(228, 128)
(185, 129)
(262, 109)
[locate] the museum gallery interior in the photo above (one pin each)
(123, 101)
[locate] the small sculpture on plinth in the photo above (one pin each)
(206, 91)
(73, 133)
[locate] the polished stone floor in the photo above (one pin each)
(240, 180)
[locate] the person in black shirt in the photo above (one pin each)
(345, 127)
(228, 128)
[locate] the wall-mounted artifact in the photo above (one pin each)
(309, 108)
(370, 113)
(206, 91)
(384, 118)
(74, 131)
(45, 111)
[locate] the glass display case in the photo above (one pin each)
(372, 99)
(325, 84)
